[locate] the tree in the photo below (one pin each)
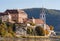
(51, 27)
(3, 29)
(46, 32)
(40, 31)
(6, 31)
(29, 30)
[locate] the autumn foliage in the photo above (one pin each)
(51, 27)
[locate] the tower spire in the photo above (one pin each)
(43, 17)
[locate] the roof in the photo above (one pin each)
(15, 11)
(22, 12)
(37, 21)
(2, 14)
(12, 11)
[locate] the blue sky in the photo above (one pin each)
(22, 4)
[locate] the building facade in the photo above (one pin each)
(14, 15)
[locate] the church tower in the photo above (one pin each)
(43, 17)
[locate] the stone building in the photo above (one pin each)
(13, 15)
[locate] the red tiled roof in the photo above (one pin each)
(37, 21)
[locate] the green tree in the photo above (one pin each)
(6, 31)
(3, 29)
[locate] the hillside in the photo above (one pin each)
(52, 16)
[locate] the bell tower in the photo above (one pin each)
(43, 15)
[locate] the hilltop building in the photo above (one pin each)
(14, 16)
(21, 17)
